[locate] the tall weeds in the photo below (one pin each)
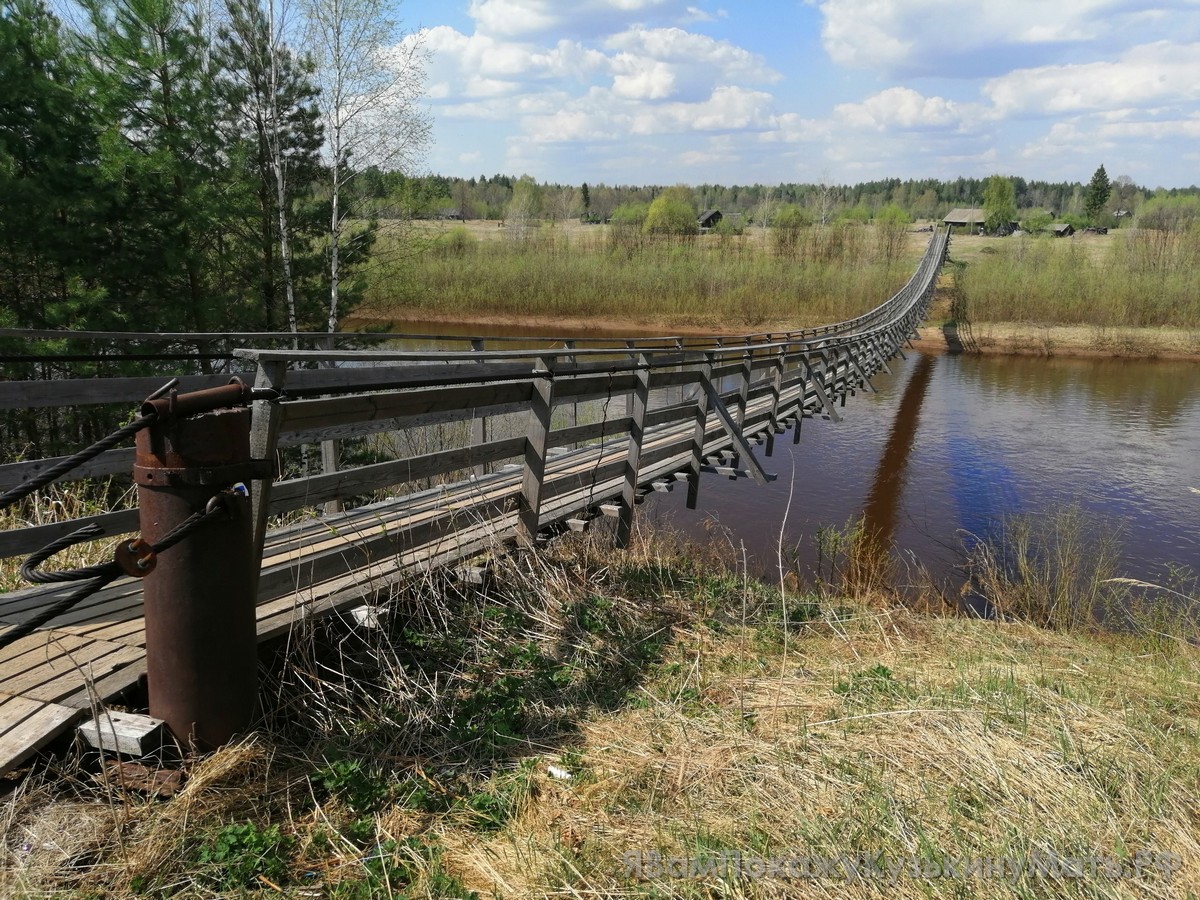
(1142, 278)
(827, 274)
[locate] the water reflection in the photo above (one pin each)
(881, 512)
(937, 461)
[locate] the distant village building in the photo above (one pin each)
(974, 219)
(966, 218)
(1062, 229)
(709, 218)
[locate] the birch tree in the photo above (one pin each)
(272, 107)
(372, 81)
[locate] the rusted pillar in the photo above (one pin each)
(201, 647)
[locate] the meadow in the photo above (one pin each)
(723, 282)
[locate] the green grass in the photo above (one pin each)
(1127, 278)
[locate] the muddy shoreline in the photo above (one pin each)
(1009, 338)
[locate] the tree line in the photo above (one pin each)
(501, 196)
(175, 165)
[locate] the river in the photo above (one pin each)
(951, 446)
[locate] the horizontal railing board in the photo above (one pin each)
(377, 426)
(310, 382)
(95, 391)
(110, 462)
(26, 540)
(289, 495)
(308, 414)
(579, 433)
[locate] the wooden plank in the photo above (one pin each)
(307, 414)
(580, 433)
(358, 379)
(735, 433)
(23, 541)
(94, 391)
(62, 676)
(534, 475)
(315, 489)
(637, 433)
(266, 417)
(700, 430)
(111, 462)
(28, 725)
(377, 426)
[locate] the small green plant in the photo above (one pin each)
(239, 853)
(875, 683)
(347, 780)
(491, 809)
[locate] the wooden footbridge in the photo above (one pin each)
(465, 448)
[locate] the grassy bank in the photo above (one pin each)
(1127, 292)
(713, 281)
(549, 733)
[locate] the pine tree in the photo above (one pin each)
(1098, 191)
(51, 197)
(151, 75)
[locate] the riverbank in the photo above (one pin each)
(590, 717)
(1127, 293)
(939, 334)
(942, 334)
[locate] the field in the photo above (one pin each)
(1126, 292)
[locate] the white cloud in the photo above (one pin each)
(956, 39)
(899, 107)
(639, 78)
(1156, 73)
(681, 47)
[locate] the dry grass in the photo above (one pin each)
(715, 282)
(60, 503)
(525, 738)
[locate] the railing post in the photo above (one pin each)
(199, 600)
(641, 400)
(573, 408)
(776, 390)
(479, 429)
(541, 404)
(265, 417)
(699, 432)
(630, 346)
(331, 448)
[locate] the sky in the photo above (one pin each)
(846, 91)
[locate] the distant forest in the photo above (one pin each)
(390, 194)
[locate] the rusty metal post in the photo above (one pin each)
(201, 645)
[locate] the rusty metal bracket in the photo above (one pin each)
(204, 475)
(135, 558)
(176, 405)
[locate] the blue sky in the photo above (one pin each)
(743, 91)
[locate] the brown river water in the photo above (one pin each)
(952, 445)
